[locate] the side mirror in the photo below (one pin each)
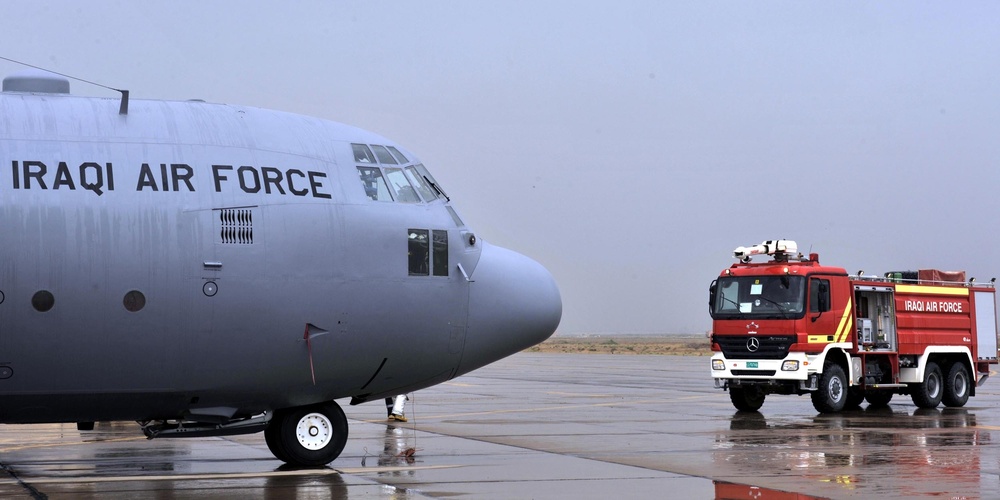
(712, 289)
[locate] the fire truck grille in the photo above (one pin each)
(755, 346)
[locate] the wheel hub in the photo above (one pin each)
(314, 431)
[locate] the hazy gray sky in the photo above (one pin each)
(627, 146)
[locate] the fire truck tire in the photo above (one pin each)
(855, 396)
(748, 398)
(878, 399)
(831, 396)
(929, 393)
(956, 386)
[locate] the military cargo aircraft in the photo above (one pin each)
(209, 269)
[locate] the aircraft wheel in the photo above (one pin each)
(878, 399)
(308, 436)
(832, 393)
(929, 393)
(956, 385)
(273, 440)
(749, 398)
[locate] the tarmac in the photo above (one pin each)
(548, 426)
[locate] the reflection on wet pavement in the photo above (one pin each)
(543, 426)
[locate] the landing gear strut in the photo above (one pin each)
(307, 436)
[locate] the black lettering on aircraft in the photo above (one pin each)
(177, 173)
(95, 181)
(175, 177)
(91, 176)
(249, 188)
(34, 169)
(274, 181)
(272, 176)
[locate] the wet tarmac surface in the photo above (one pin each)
(548, 426)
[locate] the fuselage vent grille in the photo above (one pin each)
(237, 226)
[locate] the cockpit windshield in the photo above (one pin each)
(762, 297)
(387, 175)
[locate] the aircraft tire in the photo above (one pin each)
(878, 399)
(749, 398)
(308, 436)
(272, 439)
(956, 386)
(928, 394)
(831, 397)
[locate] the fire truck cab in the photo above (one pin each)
(793, 326)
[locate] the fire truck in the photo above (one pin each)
(793, 326)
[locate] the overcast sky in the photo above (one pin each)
(628, 146)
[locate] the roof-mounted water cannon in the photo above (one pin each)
(781, 250)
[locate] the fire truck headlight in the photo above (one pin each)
(790, 366)
(718, 364)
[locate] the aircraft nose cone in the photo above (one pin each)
(514, 303)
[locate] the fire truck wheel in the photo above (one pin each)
(855, 396)
(956, 386)
(749, 398)
(832, 393)
(878, 399)
(928, 394)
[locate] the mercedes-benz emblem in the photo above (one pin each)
(753, 344)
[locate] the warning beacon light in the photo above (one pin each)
(780, 249)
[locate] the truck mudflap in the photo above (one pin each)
(797, 369)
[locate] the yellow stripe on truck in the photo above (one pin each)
(845, 324)
(821, 339)
(933, 290)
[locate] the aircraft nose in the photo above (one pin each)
(514, 303)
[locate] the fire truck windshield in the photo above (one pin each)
(762, 297)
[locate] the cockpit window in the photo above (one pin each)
(399, 156)
(383, 155)
(362, 154)
(419, 252)
(427, 252)
(417, 180)
(762, 297)
(374, 183)
(402, 183)
(422, 170)
(404, 191)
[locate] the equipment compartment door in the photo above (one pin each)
(986, 325)
(877, 305)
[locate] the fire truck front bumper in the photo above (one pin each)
(797, 369)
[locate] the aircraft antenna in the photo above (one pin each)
(122, 109)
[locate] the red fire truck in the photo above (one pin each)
(793, 326)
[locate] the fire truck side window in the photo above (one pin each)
(819, 295)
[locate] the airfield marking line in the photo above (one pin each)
(221, 475)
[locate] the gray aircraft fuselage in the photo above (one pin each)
(190, 260)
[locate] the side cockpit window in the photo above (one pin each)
(386, 175)
(418, 181)
(419, 252)
(427, 252)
